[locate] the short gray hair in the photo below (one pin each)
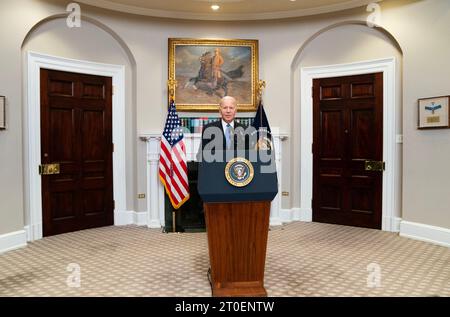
(228, 98)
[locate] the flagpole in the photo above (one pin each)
(172, 85)
(174, 223)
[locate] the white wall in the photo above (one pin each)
(424, 28)
(421, 27)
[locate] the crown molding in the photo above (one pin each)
(182, 15)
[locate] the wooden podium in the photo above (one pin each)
(237, 241)
(237, 222)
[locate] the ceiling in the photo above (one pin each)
(229, 9)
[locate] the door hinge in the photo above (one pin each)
(112, 147)
(312, 148)
(114, 204)
(312, 91)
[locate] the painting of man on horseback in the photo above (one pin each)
(211, 78)
(207, 73)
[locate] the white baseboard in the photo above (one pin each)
(296, 214)
(140, 218)
(130, 217)
(154, 224)
(391, 224)
(275, 221)
(395, 226)
(33, 232)
(13, 240)
(427, 233)
(286, 215)
(123, 217)
(305, 214)
(28, 232)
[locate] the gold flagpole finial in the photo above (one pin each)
(261, 86)
(172, 85)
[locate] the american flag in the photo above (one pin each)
(172, 160)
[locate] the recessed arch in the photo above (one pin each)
(122, 130)
(93, 21)
(302, 207)
(382, 30)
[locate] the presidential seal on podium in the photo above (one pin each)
(239, 172)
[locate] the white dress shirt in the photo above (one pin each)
(224, 125)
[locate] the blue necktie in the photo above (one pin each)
(228, 135)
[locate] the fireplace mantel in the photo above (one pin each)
(155, 189)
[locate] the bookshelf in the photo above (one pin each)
(196, 124)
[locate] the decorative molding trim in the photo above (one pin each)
(130, 217)
(28, 232)
(134, 9)
(296, 214)
(305, 214)
(427, 233)
(13, 240)
(390, 156)
(275, 221)
(154, 224)
(393, 223)
(32, 129)
(140, 218)
(123, 217)
(396, 224)
(286, 215)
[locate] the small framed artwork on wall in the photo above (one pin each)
(434, 113)
(2, 113)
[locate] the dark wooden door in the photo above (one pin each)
(76, 132)
(347, 131)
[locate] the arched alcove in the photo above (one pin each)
(90, 20)
(343, 43)
(97, 43)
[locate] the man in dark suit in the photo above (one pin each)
(226, 133)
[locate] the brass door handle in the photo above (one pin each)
(377, 166)
(49, 169)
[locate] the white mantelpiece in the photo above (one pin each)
(155, 189)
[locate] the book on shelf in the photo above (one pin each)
(195, 125)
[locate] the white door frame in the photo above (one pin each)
(32, 131)
(388, 67)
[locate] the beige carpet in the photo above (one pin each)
(303, 259)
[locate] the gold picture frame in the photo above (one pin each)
(434, 113)
(206, 69)
(2, 113)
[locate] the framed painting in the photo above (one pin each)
(434, 113)
(207, 70)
